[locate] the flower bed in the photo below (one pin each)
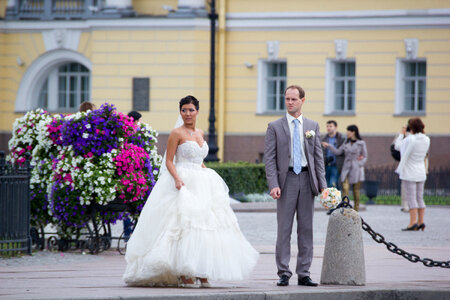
(83, 160)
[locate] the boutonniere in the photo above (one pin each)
(310, 134)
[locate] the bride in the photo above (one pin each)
(187, 231)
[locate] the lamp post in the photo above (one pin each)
(212, 137)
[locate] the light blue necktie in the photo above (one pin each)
(297, 150)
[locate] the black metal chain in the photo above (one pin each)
(428, 262)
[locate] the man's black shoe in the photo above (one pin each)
(284, 280)
(307, 281)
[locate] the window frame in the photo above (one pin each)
(400, 97)
(330, 92)
(262, 105)
(53, 89)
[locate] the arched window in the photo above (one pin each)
(65, 88)
(57, 81)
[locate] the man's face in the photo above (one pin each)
(293, 102)
(331, 129)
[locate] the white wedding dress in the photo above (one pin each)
(192, 231)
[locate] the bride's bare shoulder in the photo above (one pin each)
(201, 131)
(176, 131)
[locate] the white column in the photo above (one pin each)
(118, 3)
(191, 3)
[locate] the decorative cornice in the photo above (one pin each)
(339, 19)
(117, 24)
(341, 14)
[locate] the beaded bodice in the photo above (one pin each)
(190, 153)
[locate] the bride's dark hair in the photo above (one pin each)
(190, 100)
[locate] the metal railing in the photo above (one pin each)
(63, 10)
(14, 207)
(437, 183)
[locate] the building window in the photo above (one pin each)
(65, 88)
(340, 87)
(411, 87)
(271, 86)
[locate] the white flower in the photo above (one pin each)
(309, 134)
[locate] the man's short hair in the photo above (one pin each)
(332, 122)
(300, 90)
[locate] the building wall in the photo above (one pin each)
(153, 7)
(15, 47)
(176, 62)
(375, 53)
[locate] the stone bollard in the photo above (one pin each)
(343, 259)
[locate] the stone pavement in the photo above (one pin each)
(388, 276)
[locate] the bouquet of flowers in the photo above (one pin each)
(330, 198)
(84, 159)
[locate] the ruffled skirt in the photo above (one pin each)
(190, 232)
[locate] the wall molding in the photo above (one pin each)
(121, 24)
(339, 19)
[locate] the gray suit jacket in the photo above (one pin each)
(277, 154)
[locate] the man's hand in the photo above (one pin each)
(275, 193)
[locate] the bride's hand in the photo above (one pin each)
(178, 184)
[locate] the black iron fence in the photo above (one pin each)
(14, 207)
(437, 185)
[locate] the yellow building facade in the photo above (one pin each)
(370, 63)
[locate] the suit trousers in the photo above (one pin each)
(296, 199)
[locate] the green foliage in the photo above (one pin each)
(396, 200)
(11, 253)
(242, 177)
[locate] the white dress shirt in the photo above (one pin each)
(300, 130)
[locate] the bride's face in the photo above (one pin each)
(189, 114)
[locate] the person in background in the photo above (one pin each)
(127, 224)
(333, 163)
(85, 106)
(136, 116)
(355, 151)
(412, 170)
(397, 142)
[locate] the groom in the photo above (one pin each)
(295, 173)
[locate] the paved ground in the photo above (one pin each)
(49, 275)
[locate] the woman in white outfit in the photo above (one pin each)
(411, 169)
(187, 231)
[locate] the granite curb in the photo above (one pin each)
(373, 294)
(272, 206)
